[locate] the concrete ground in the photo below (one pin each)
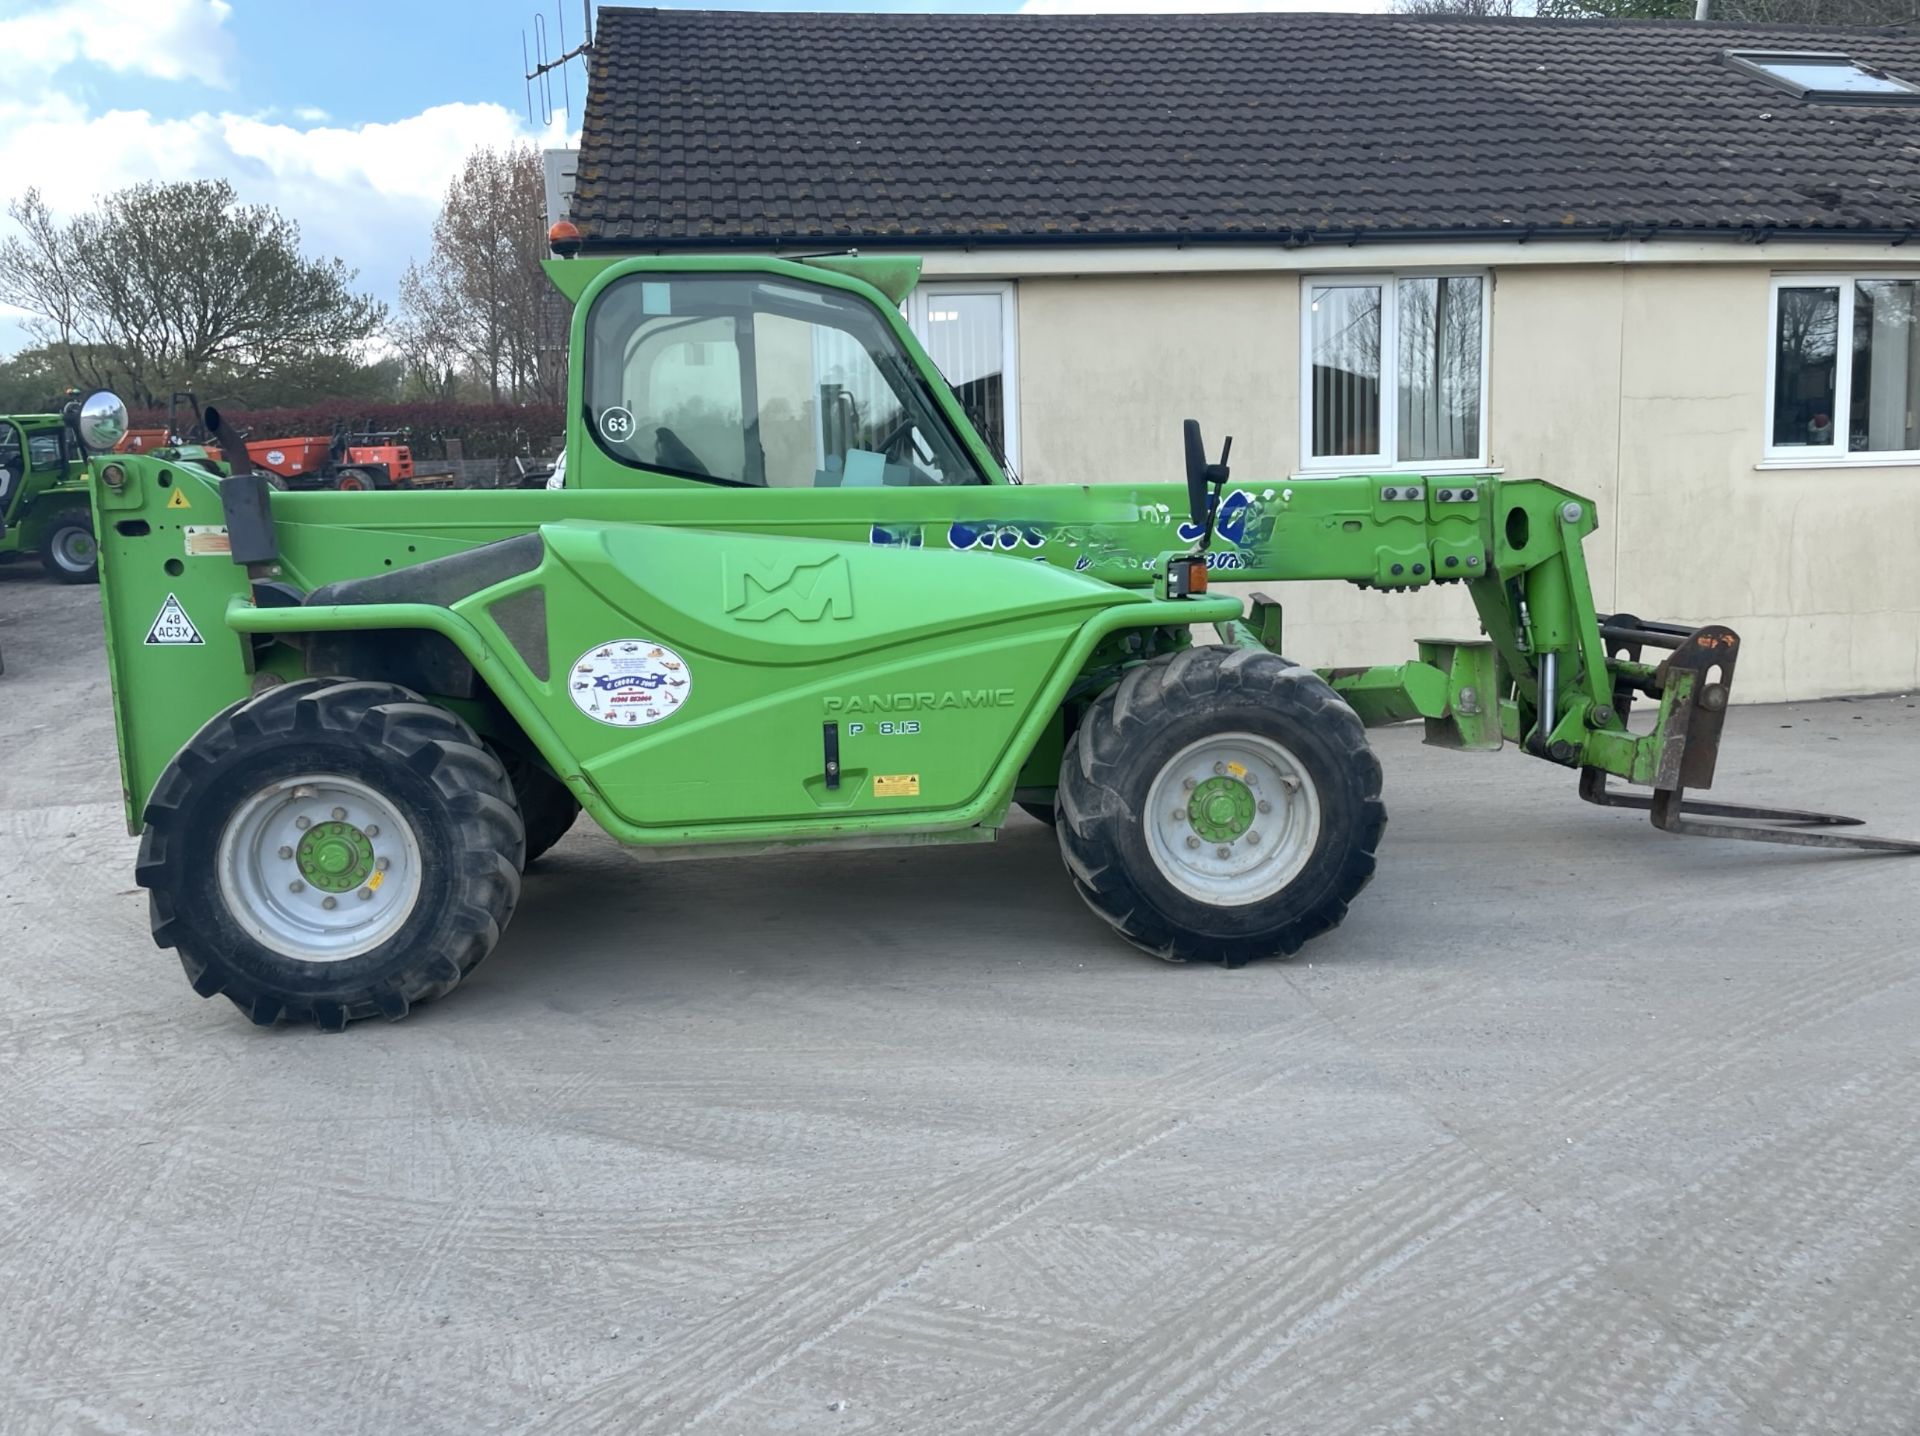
(1574, 1127)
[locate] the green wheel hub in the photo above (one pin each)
(335, 857)
(1221, 809)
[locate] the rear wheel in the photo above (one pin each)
(1220, 805)
(329, 850)
(69, 551)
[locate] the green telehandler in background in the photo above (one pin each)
(786, 597)
(44, 498)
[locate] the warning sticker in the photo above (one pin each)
(207, 541)
(629, 682)
(172, 629)
(896, 785)
(178, 501)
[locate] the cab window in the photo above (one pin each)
(43, 450)
(744, 380)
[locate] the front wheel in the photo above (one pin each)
(1220, 805)
(69, 551)
(330, 850)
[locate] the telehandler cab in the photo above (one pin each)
(788, 597)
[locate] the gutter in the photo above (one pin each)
(1284, 239)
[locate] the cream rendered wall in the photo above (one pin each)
(1817, 569)
(1110, 366)
(1641, 386)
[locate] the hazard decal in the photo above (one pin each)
(173, 629)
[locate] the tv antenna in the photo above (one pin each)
(541, 61)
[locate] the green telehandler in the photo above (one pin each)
(786, 596)
(43, 497)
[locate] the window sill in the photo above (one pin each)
(1892, 461)
(1403, 471)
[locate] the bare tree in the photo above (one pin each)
(1482, 8)
(162, 285)
(482, 292)
(427, 335)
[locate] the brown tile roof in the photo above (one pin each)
(706, 128)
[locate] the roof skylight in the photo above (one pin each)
(1825, 76)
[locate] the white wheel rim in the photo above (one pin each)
(73, 549)
(1235, 774)
(275, 878)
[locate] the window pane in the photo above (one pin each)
(1833, 77)
(748, 381)
(1886, 367)
(965, 335)
(1344, 338)
(1439, 325)
(1803, 372)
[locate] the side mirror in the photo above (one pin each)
(101, 422)
(1196, 473)
(1204, 480)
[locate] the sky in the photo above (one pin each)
(350, 116)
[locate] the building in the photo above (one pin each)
(1616, 255)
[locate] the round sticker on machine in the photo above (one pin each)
(616, 424)
(274, 456)
(629, 682)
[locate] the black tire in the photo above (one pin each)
(425, 763)
(547, 809)
(69, 551)
(354, 481)
(1139, 728)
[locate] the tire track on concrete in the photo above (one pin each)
(1845, 1180)
(1197, 1349)
(1847, 1339)
(1143, 1380)
(1703, 1242)
(732, 1351)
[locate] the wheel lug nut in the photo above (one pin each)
(1179, 815)
(1187, 783)
(380, 864)
(286, 852)
(373, 830)
(1193, 842)
(296, 886)
(329, 904)
(339, 814)
(1253, 837)
(1265, 806)
(303, 823)
(1224, 852)
(365, 893)
(1219, 768)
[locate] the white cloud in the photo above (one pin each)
(167, 39)
(1212, 7)
(367, 193)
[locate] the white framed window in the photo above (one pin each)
(1393, 371)
(969, 329)
(1843, 369)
